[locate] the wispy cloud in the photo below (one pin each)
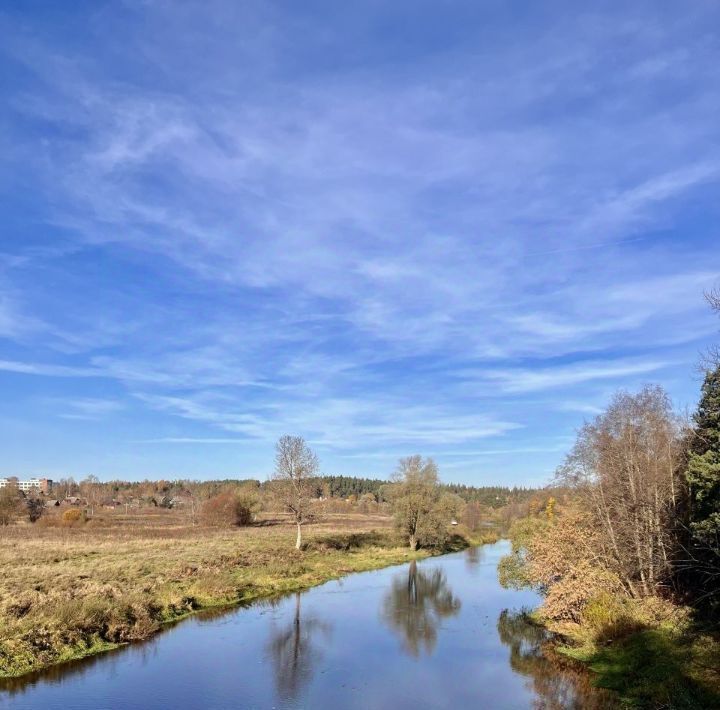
(45, 370)
(524, 380)
(190, 440)
(582, 407)
(336, 423)
(87, 408)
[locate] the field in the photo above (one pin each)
(68, 592)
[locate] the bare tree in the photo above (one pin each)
(712, 356)
(9, 504)
(65, 487)
(91, 490)
(625, 465)
(713, 298)
(193, 505)
(295, 467)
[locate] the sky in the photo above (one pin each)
(446, 228)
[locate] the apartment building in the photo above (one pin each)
(42, 485)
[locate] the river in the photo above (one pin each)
(440, 633)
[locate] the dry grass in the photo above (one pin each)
(67, 592)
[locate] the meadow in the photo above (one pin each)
(70, 591)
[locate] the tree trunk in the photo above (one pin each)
(413, 542)
(299, 537)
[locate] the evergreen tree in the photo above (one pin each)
(703, 479)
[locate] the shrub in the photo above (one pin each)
(35, 509)
(350, 541)
(610, 617)
(552, 557)
(73, 516)
(230, 508)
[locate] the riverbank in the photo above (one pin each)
(649, 648)
(668, 663)
(70, 593)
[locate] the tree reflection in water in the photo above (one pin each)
(473, 558)
(557, 683)
(295, 653)
(415, 607)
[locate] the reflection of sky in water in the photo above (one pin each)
(430, 635)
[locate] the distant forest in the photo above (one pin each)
(342, 487)
(491, 496)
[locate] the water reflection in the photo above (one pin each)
(473, 559)
(320, 648)
(415, 606)
(295, 652)
(557, 683)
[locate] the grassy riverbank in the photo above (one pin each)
(69, 593)
(659, 664)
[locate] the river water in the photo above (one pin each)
(441, 633)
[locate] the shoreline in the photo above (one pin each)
(646, 666)
(320, 562)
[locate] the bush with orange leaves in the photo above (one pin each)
(556, 556)
(73, 516)
(231, 507)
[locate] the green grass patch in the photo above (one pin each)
(655, 668)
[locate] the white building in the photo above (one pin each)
(44, 485)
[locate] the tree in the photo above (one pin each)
(65, 487)
(421, 512)
(193, 504)
(90, 489)
(367, 503)
(9, 504)
(625, 466)
(703, 479)
(713, 299)
(295, 467)
(472, 516)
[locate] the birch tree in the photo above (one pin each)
(296, 465)
(625, 467)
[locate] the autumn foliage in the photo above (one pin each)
(73, 516)
(617, 534)
(231, 507)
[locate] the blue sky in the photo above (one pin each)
(452, 228)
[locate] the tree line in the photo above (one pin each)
(239, 501)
